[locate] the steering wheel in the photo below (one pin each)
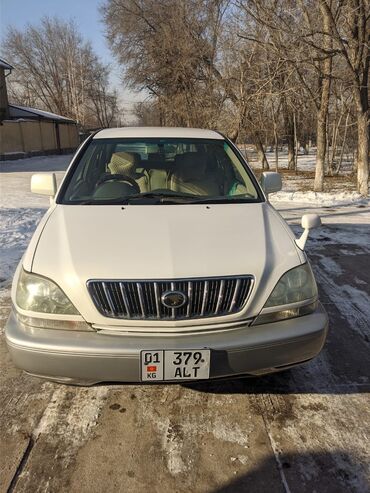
(118, 177)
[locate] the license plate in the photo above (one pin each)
(190, 364)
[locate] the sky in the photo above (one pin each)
(85, 13)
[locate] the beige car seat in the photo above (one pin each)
(190, 175)
(158, 175)
(126, 163)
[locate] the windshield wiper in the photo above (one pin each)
(96, 202)
(225, 200)
(163, 198)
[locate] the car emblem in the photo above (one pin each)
(173, 299)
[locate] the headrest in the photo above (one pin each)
(122, 163)
(154, 156)
(190, 166)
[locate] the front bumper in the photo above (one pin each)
(89, 357)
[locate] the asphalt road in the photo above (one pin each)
(306, 430)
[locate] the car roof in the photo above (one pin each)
(169, 132)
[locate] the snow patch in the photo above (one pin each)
(16, 229)
(343, 438)
(54, 162)
(177, 439)
(320, 198)
(15, 180)
(354, 235)
(331, 266)
(354, 301)
(229, 432)
(172, 445)
(71, 414)
(21, 210)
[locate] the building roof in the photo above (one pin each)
(16, 111)
(169, 132)
(5, 65)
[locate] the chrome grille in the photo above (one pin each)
(142, 299)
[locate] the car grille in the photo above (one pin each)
(142, 300)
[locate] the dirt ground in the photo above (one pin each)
(306, 430)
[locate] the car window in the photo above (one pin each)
(113, 170)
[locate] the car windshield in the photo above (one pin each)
(140, 171)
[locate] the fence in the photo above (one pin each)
(25, 137)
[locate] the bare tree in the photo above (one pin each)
(270, 71)
(349, 29)
(288, 26)
(169, 48)
(56, 70)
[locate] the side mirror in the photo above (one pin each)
(309, 221)
(271, 182)
(44, 184)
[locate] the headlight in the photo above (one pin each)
(295, 287)
(38, 294)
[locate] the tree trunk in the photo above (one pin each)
(304, 143)
(322, 115)
(233, 135)
(291, 152)
(362, 154)
(362, 105)
(276, 139)
(343, 145)
(328, 142)
(289, 132)
(295, 144)
(320, 153)
(336, 126)
(261, 152)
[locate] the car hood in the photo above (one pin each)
(79, 243)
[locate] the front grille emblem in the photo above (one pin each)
(173, 299)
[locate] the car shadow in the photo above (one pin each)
(335, 471)
(285, 382)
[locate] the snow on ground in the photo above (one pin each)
(21, 210)
(340, 189)
(306, 162)
(319, 199)
(15, 179)
(16, 229)
(78, 417)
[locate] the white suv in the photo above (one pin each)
(160, 259)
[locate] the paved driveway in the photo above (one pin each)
(306, 430)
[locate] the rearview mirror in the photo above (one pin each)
(44, 184)
(309, 221)
(271, 182)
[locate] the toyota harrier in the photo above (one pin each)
(161, 259)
